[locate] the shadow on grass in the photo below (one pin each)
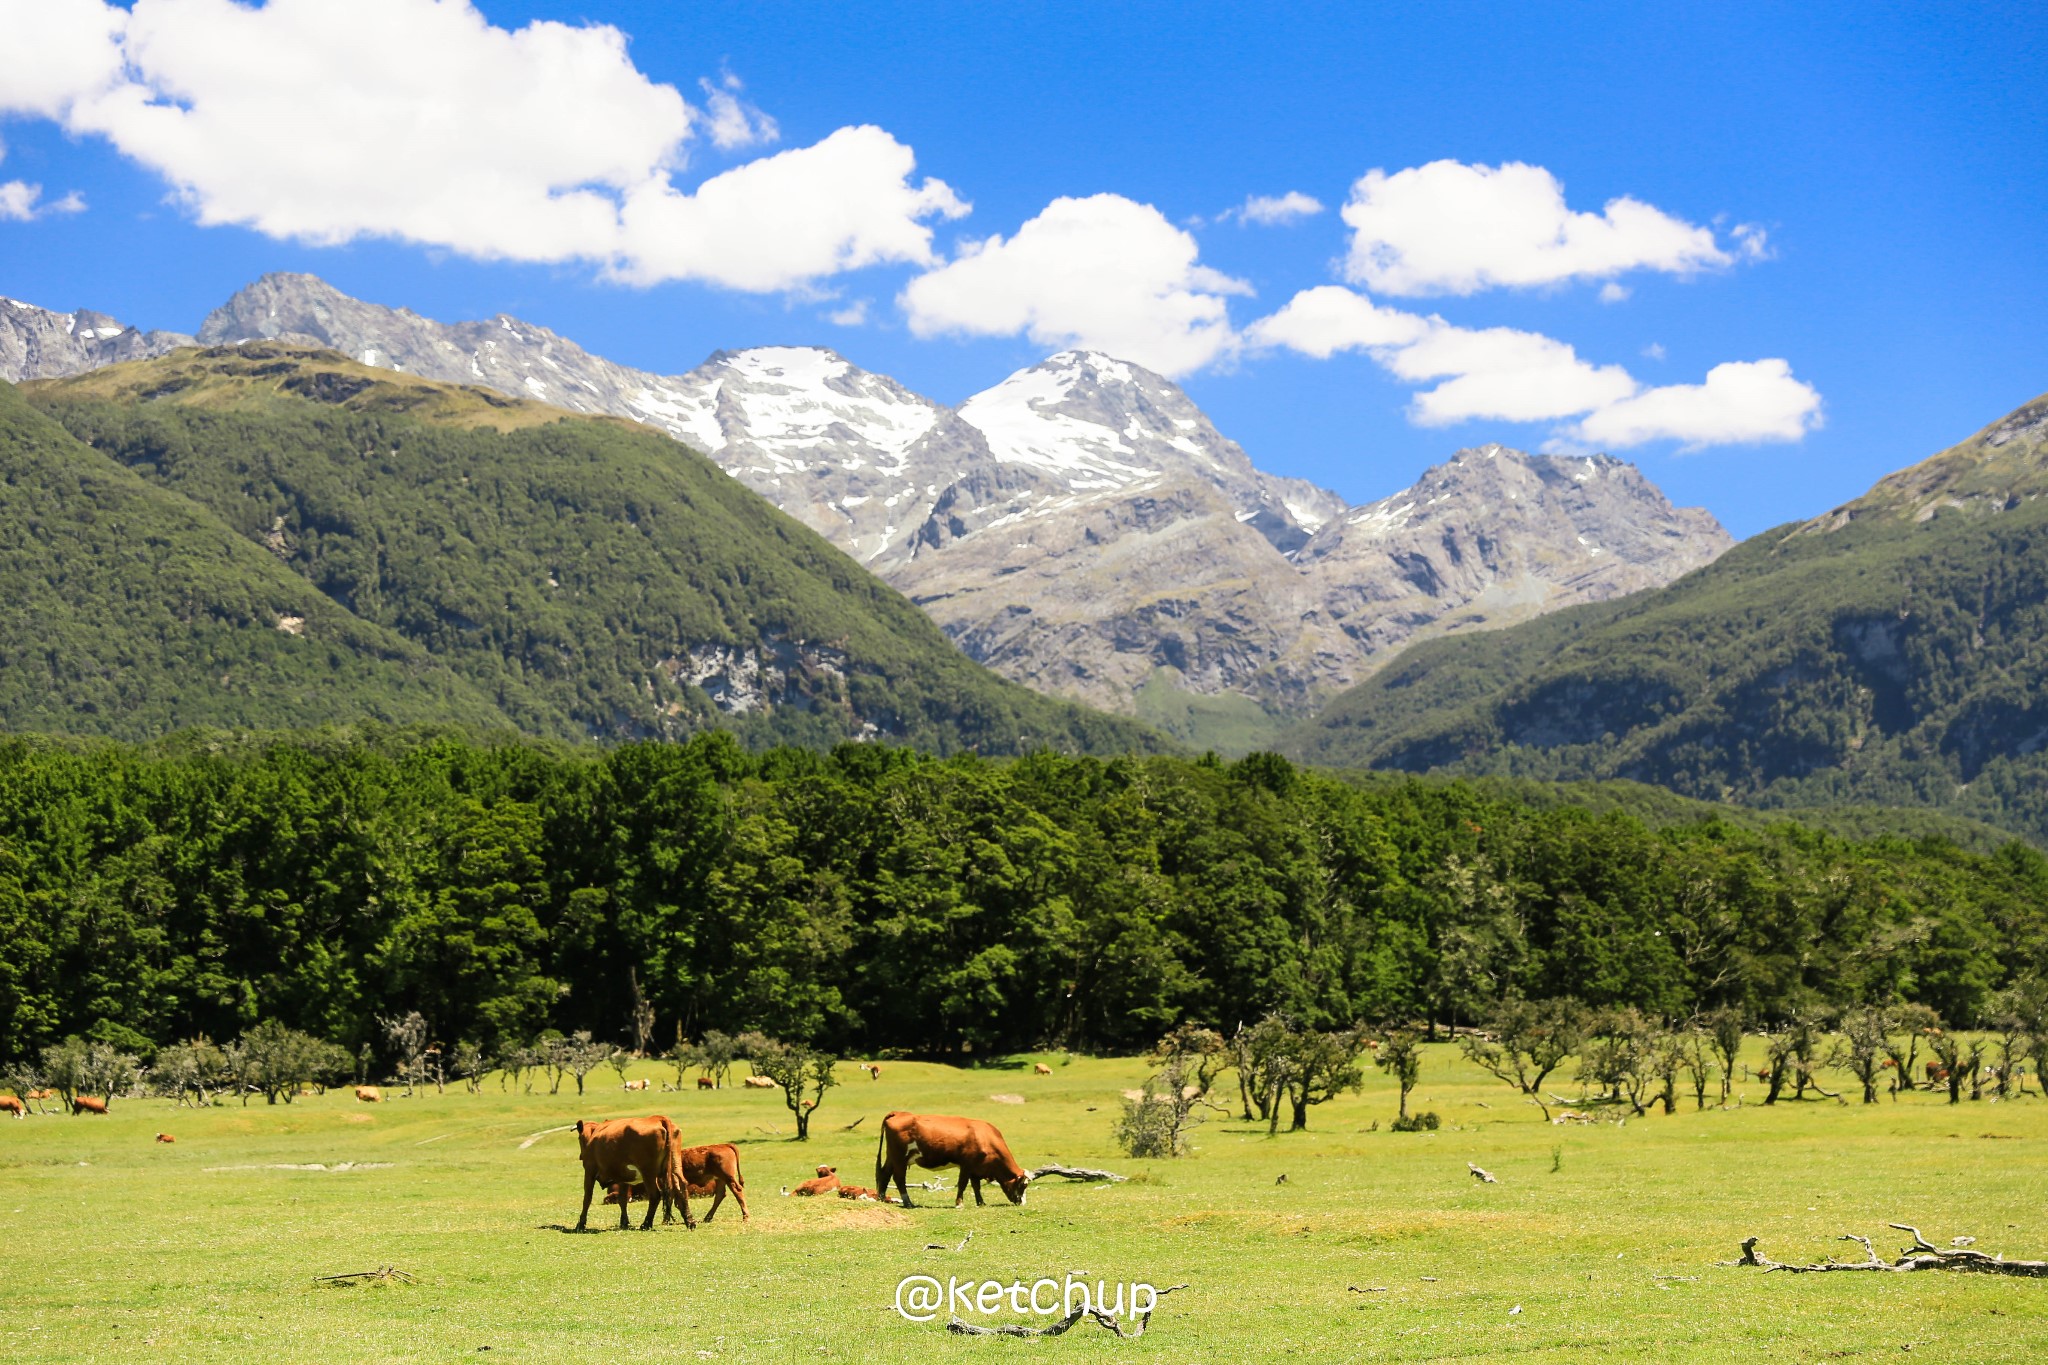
(587, 1232)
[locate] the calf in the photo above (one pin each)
(165, 1137)
(86, 1104)
(874, 1071)
(827, 1181)
(861, 1192)
(937, 1140)
(628, 1152)
(710, 1170)
(634, 1085)
(369, 1094)
(11, 1105)
(1040, 1069)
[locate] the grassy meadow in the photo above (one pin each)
(1604, 1236)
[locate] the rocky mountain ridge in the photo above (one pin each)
(1081, 527)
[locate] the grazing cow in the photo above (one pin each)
(86, 1104)
(165, 1137)
(706, 1083)
(712, 1170)
(11, 1105)
(1040, 1069)
(634, 1085)
(630, 1152)
(759, 1083)
(827, 1181)
(934, 1141)
(874, 1072)
(40, 1095)
(369, 1094)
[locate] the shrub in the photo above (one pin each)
(1416, 1123)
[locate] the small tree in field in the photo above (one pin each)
(189, 1071)
(408, 1038)
(621, 1061)
(1189, 1061)
(803, 1072)
(1620, 1056)
(1525, 1041)
(1696, 1059)
(471, 1065)
(1864, 1048)
(643, 1014)
(277, 1060)
(579, 1055)
(1724, 1033)
(1400, 1056)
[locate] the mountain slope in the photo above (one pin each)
(589, 576)
(1082, 526)
(130, 610)
(1894, 651)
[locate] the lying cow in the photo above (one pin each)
(827, 1180)
(369, 1094)
(633, 1152)
(634, 1085)
(934, 1141)
(862, 1192)
(165, 1137)
(1040, 1069)
(11, 1105)
(712, 1170)
(86, 1104)
(758, 1083)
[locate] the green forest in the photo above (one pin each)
(276, 537)
(873, 898)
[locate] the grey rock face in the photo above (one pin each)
(1081, 527)
(36, 343)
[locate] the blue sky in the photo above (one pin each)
(1842, 207)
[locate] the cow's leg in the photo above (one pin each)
(960, 1191)
(739, 1196)
(978, 1201)
(718, 1188)
(589, 1185)
(683, 1193)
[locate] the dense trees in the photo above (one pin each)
(874, 898)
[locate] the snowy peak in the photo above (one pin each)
(1098, 423)
(37, 343)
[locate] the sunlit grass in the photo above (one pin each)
(148, 1251)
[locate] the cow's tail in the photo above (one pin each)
(882, 1151)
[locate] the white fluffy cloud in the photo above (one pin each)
(1515, 376)
(778, 222)
(1105, 273)
(1450, 228)
(1742, 402)
(21, 202)
(1502, 373)
(1322, 321)
(1273, 210)
(421, 120)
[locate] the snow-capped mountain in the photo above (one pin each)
(1081, 526)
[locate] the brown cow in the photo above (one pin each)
(874, 1071)
(712, 1170)
(369, 1094)
(86, 1104)
(11, 1105)
(630, 1152)
(1040, 1069)
(936, 1140)
(165, 1137)
(706, 1083)
(827, 1181)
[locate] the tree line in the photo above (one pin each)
(873, 899)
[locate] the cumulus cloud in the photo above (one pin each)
(1742, 402)
(1450, 228)
(1104, 273)
(421, 120)
(1275, 210)
(1322, 321)
(799, 215)
(1506, 374)
(21, 202)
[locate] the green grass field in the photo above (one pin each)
(119, 1248)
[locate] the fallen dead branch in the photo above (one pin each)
(1076, 1173)
(855, 1124)
(1483, 1177)
(1102, 1318)
(382, 1272)
(1922, 1255)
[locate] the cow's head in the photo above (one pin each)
(824, 1171)
(1016, 1187)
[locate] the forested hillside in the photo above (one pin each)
(571, 577)
(1894, 652)
(873, 898)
